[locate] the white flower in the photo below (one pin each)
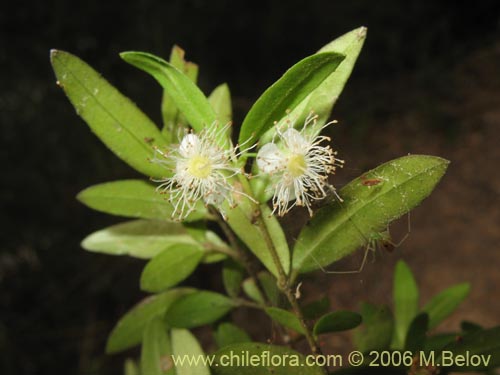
(201, 170)
(298, 166)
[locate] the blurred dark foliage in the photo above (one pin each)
(57, 302)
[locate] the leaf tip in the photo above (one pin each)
(362, 31)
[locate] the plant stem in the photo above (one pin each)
(284, 285)
(241, 256)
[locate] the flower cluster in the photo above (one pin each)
(298, 166)
(201, 169)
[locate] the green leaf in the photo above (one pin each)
(197, 309)
(185, 345)
(376, 331)
(232, 277)
(132, 198)
(294, 364)
(269, 285)
(220, 100)
(241, 220)
(322, 99)
(405, 295)
(285, 318)
(482, 343)
(286, 93)
(128, 132)
(170, 267)
(229, 334)
(338, 229)
(185, 94)
(172, 118)
(317, 308)
(337, 321)
(156, 350)
(128, 331)
(444, 303)
(416, 336)
(130, 367)
(252, 291)
(138, 238)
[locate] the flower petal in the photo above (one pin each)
(270, 159)
(190, 145)
(294, 141)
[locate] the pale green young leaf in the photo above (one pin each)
(133, 198)
(405, 296)
(185, 94)
(285, 318)
(295, 363)
(197, 309)
(173, 121)
(129, 329)
(138, 238)
(185, 345)
(230, 334)
(444, 303)
(128, 132)
(338, 229)
(171, 266)
(287, 93)
(156, 350)
(337, 321)
(220, 100)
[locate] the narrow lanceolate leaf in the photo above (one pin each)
(132, 198)
(128, 132)
(287, 93)
(170, 267)
(338, 229)
(444, 303)
(229, 334)
(285, 318)
(197, 309)
(138, 238)
(173, 121)
(185, 94)
(294, 364)
(377, 328)
(156, 349)
(337, 321)
(129, 329)
(186, 346)
(405, 295)
(322, 99)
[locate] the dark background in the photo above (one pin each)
(427, 81)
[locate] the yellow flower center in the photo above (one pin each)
(297, 165)
(199, 166)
